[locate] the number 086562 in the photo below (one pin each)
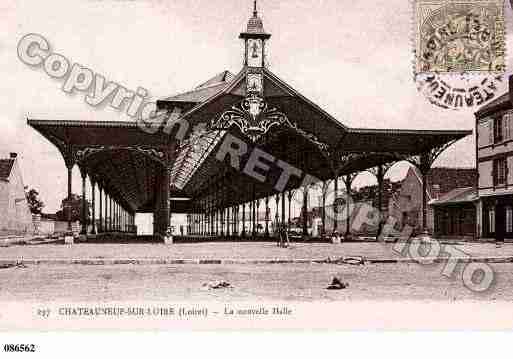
(19, 348)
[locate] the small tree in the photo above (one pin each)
(35, 204)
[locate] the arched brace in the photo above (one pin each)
(159, 155)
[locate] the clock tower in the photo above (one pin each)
(254, 39)
(253, 115)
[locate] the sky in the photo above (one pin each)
(353, 58)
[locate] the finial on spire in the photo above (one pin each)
(255, 26)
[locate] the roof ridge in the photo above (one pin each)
(222, 75)
(456, 195)
(85, 123)
(454, 168)
(197, 89)
(227, 86)
(501, 100)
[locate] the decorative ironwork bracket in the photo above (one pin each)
(85, 153)
(255, 118)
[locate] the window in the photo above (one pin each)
(501, 128)
(491, 219)
(509, 219)
(500, 171)
(506, 125)
(498, 133)
(488, 123)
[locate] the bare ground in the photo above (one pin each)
(295, 282)
(227, 250)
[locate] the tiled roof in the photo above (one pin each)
(499, 102)
(457, 195)
(223, 77)
(449, 178)
(204, 91)
(6, 168)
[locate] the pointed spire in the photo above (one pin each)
(255, 24)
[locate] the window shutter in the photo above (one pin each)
(494, 173)
(506, 171)
(490, 131)
(505, 125)
(508, 126)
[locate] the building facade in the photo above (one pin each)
(455, 214)
(15, 216)
(494, 151)
(406, 204)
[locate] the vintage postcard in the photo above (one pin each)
(256, 165)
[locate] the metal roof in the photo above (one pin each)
(192, 154)
(456, 196)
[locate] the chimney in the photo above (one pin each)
(436, 191)
(13, 155)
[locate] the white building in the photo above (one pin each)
(15, 216)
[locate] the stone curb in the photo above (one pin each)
(155, 261)
(442, 260)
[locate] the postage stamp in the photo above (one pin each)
(459, 36)
(460, 53)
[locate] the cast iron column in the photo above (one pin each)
(100, 198)
(229, 221)
(235, 220)
(305, 210)
(324, 190)
(277, 216)
(202, 223)
(424, 203)
(111, 222)
(105, 227)
(83, 230)
(283, 208)
(267, 211)
(212, 218)
(253, 218)
(253, 230)
(221, 213)
(216, 219)
(335, 206)
(115, 214)
(257, 215)
(348, 181)
(69, 167)
(243, 220)
(289, 222)
(116, 208)
(93, 199)
(380, 177)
